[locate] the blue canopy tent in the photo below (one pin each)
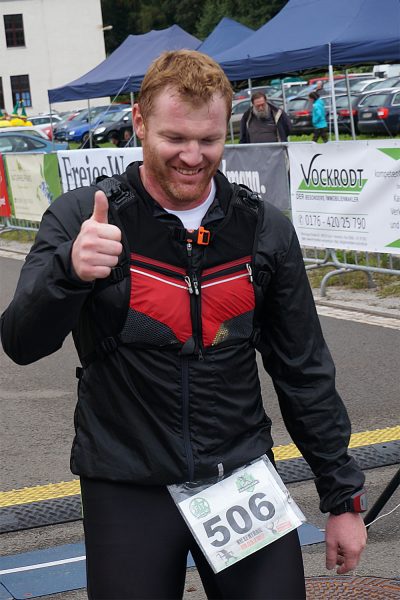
(124, 69)
(226, 34)
(307, 34)
(314, 33)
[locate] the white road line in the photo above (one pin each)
(10, 254)
(358, 317)
(43, 565)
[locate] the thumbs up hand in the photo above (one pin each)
(98, 244)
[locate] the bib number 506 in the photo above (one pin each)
(239, 519)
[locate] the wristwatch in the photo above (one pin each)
(357, 503)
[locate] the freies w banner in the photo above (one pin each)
(262, 167)
(347, 195)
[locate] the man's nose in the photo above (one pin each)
(191, 153)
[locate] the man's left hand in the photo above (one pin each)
(345, 537)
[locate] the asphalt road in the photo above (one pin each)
(37, 403)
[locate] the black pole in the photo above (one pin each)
(383, 498)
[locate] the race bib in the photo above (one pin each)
(236, 515)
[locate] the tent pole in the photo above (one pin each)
(283, 95)
(133, 129)
(353, 129)
(333, 103)
(51, 125)
(90, 125)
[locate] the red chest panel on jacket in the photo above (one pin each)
(163, 295)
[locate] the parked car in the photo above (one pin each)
(383, 84)
(299, 110)
(343, 112)
(379, 112)
(115, 125)
(357, 85)
(238, 109)
(46, 123)
(21, 141)
(26, 129)
(77, 130)
(248, 92)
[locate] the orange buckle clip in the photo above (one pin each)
(203, 236)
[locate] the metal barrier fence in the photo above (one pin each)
(342, 261)
(10, 223)
(348, 261)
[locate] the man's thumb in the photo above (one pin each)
(100, 210)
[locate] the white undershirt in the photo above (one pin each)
(192, 218)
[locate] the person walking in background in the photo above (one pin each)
(318, 118)
(264, 122)
(170, 283)
(319, 87)
(128, 138)
(114, 139)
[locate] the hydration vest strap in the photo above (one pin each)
(106, 346)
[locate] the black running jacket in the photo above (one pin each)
(169, 389)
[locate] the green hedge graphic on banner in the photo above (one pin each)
(395, 244)
(340, 187)
(392, 152)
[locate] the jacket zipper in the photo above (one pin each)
(189, 280)
(185, 417)
(228, 272)
(193, 285)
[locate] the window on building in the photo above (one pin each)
(1, 94)
(14, 28)
(20, 89)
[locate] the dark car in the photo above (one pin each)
(247, 92)
(114, 126)
(343, 112)
(299, 110)
(77, 129)
(379, 113)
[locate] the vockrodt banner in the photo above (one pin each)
(5, 209)
(33, 184)
(347, 194)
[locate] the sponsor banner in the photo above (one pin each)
(81, 167)
(5, 209)
(347, 194)
(33, 184)
(263, 168)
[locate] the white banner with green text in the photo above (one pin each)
(347, 194)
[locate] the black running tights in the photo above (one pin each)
(137, 545)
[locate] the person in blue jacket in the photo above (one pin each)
(318, 118)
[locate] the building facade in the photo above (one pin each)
(45, 44)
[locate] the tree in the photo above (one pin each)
(197, 17)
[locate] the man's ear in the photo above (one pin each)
(137, 120)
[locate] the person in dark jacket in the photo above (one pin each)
(264, 122)
(169, 284)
